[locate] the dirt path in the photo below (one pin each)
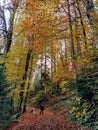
(47, 121)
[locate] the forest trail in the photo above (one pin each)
(47, 121)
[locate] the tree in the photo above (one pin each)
(6, 110)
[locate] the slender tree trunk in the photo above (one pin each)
(3, 28)
(51, 50)
(9, 34)
(54, 65)
(24, 79)
(72, 51)
(28, 85)
(82, 24)
(41, 82)
(78, 49)
(45, 70)
(10, 31)
(92, 17)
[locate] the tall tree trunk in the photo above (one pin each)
(72, 51)
(41, 82)
(45, 70)
(28, 85)
(54, 65)
(24, 79)
(3, 31)
(11, 22)
(51, 54)
(78, 47)
(9, 35)
(91, 15)
(52, 62)
(82, 24)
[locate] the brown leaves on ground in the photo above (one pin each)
(35, 121)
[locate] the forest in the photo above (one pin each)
(49, 57)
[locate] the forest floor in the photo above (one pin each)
(55, 117)
(35, 121)
(47, 121)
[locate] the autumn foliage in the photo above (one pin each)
(49, 48)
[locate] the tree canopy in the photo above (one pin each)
(49, 48)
